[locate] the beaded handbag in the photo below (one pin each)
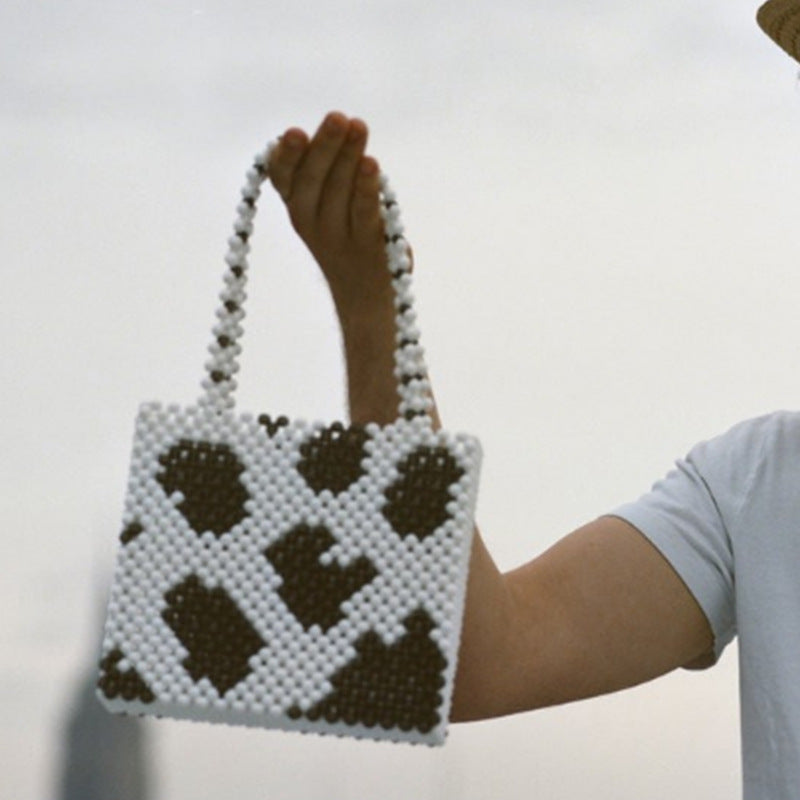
(289, 575)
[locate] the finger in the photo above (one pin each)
(337, 192)
(311, 173)
(284, 160)
(366, 223)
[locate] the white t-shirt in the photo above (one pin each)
(728, 520)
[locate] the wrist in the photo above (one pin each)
(370, 319)
(368, 334)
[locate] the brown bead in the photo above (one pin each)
(315, 592)
(131, 532)
(219, 638)
(114, 683)
(208, 477)
(391, 686)
(417, 500)
(332, 458)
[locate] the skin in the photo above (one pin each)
(599, 611)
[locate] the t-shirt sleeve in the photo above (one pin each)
(683, 519)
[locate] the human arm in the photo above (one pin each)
(599, 611)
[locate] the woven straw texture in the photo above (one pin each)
(780, 20)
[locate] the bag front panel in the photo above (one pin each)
(289, 575)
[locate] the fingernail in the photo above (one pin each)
(333, 125)
(293, 139)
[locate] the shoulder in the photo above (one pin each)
(736, 458)
(772, 427)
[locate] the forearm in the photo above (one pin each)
(331, 190)
(600, 610)
(369, 341)
(372, 391)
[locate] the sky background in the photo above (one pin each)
(602, 200)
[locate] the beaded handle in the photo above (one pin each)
(413, 386)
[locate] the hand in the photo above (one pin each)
(331, 191)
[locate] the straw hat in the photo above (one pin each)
(780, 20)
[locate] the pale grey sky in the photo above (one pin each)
(602, 202)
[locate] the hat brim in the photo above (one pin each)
(780, 20)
